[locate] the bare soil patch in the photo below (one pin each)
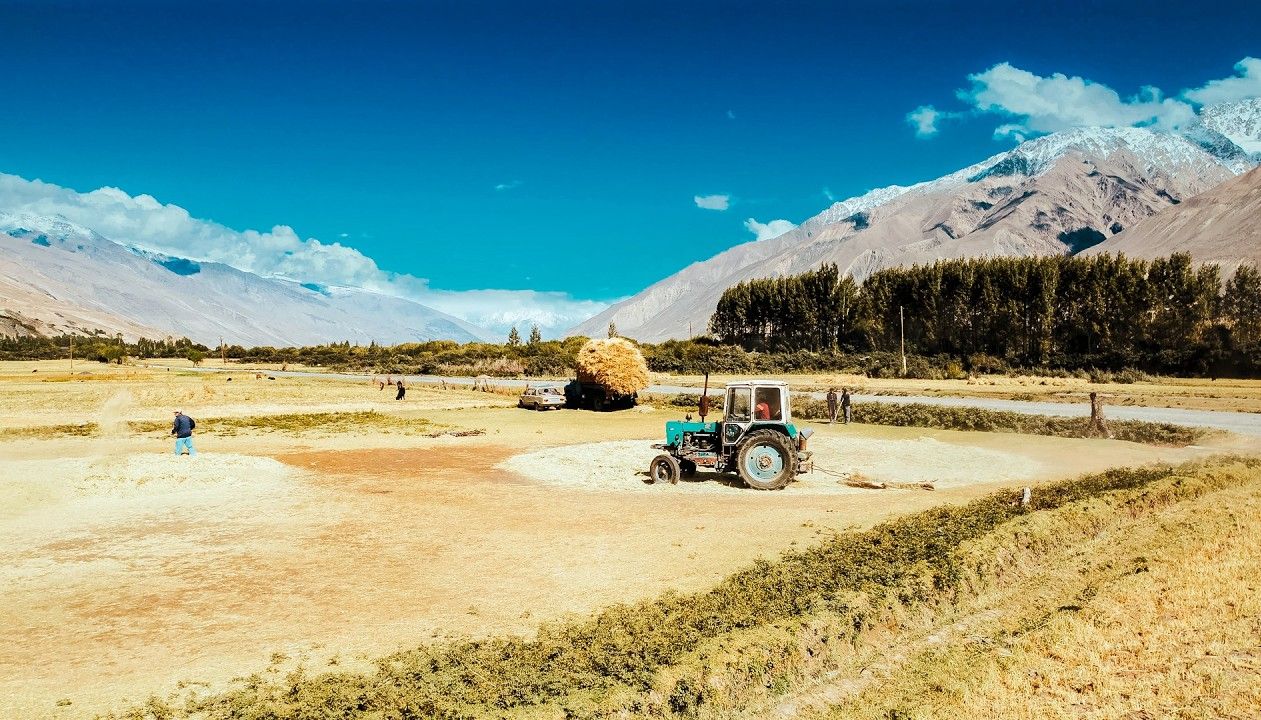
(621, 466)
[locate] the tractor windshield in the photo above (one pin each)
(768, 406)
(738, 405)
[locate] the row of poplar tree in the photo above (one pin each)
(1064, 311)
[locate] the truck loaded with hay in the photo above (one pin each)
(611, 374)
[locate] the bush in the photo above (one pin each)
(982, 364)
(1129, 376)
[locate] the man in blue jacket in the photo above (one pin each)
(183, 432)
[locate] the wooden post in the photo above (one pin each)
(72, 354)
(1098, 427)
(902, 332)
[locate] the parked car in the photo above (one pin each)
(542, 398)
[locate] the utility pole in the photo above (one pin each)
(72, 354)
(223, 352)
(902, 332)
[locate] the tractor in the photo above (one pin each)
(755, 439)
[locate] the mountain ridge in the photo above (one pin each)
(1221, 225)
(57, 276)
(1053, 194)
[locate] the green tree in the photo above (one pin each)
(1241, 306)
(514, 337)
(536, 337)
(111, 353)
(612, 329)
(195, 356)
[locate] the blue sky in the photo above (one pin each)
(548, 146)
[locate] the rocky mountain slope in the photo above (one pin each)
(56, 276)
(1222, 225)
(1060, 193)
(1240, 122)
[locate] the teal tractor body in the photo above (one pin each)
(756, 439)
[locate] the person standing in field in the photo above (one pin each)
(832, 406)
(183, 432)
(846, 405)
(402, 389)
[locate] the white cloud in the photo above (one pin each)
(1059, 102)
(731, 115)
(143, 222)
(1011, 130)
(924, 119)
(766, 231)
(827, 193)
(508, 186)
(1246, 85)
(500, 310)
(712, 202)
(1035, 104)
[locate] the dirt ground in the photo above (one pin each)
(126, 571)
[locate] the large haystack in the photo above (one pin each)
(615, 364)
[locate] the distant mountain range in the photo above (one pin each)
(57, 277)
(1061, 193)
(1133, 190)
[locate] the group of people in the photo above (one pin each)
(843, 404)
(389, 380)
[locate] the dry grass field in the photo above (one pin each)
(324, 522)
(1152, 617)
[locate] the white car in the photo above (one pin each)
(542, 398)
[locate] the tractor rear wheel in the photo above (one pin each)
(664, 468)
(766, 460)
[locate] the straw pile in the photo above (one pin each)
(616, 364)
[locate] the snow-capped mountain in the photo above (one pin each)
(1054, 194)
(1239, 121)
(57, 276)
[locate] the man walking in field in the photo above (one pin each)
(846, 406)
(183, 432)
(831, 406)
(402, 389)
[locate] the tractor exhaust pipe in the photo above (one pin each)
(704, 404)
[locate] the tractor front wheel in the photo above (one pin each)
(663, 468)
(766, 460)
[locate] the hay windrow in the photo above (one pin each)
(615, 363)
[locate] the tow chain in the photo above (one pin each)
(833, 473)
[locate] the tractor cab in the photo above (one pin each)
(756, 404)
(755, 439)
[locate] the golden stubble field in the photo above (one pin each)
(324, 521)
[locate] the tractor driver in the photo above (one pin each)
(767, 407)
